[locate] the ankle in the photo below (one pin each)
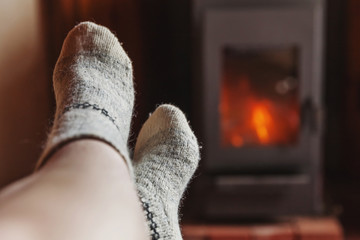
(88, 154)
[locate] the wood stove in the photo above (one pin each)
(260, 105)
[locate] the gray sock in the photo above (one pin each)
(166, 156)
(93, 89)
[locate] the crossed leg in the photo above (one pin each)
(84, 189)
(83, 192)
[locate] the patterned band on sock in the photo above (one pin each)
(150, 217)
(90, 106)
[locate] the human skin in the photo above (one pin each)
(83, 192)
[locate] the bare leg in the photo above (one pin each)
(83, 192)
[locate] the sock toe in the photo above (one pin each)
(165, 118)
(170, 116)
(90, 37)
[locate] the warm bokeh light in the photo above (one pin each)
(259, 103)
(237, 140)
(262, 121)
(247, 119)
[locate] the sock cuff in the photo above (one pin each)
(91, 125)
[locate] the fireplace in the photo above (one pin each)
(260, 105)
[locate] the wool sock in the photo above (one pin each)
(94, 92)
(165, 158)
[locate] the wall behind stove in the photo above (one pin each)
(24, 88)
(343, 101)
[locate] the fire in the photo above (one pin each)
(247, 119)
(259, 98)
(261, 119)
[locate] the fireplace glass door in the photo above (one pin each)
(259, 97)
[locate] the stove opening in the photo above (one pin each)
(259, 97)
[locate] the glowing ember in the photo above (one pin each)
(237, 141)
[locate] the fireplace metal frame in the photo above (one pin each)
(286, 173)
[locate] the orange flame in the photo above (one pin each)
(261, 119)
(247, 119)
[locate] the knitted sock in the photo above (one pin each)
(93, 89)
(166, 156)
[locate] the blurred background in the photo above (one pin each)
(154, 34)
(163, 39)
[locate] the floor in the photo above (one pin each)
(291, 229)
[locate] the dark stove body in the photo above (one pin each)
(260, 180)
